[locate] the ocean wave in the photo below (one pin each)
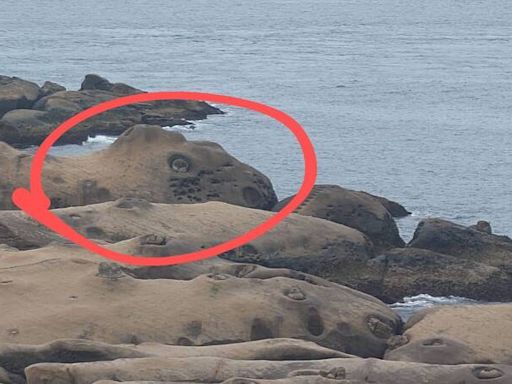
(425, 300)
(412, 304)
(100, 139)
(181, 128)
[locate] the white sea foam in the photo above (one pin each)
(100, 139)
(182, 128)
(412, 304)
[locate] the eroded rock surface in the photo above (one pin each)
(401, 272)
(17, 93)
(357, 210)
(463, 242)
(216, 370)
(462, 334)
(64, 292)
(30, 113)
(174, 170)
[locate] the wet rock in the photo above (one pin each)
(402, 272)
(354, 209)
(54, 105)
(463, 242)
(16, 93)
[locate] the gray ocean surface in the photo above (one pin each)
(408, 99)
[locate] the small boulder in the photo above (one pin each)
(396, 209)
(354, 209)
(96, 82)
(49, 88)
(467, 243)
(482, 226)
(17, 93)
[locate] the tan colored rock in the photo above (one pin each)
(19, 356)
(354, 209)
(304, 243)
(65, 292)
(146, 162)
(462, 334)
(215, 370)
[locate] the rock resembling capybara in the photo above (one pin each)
(148, 162)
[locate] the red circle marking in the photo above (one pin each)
(36, 204)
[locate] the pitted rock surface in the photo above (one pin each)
(145, 162)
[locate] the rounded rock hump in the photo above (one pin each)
(16, 93)
(468, 243)
(460, 334)
(194, 171)
(151, 163)
(354, 209)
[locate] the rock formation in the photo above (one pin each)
(69, 293)
(29, 113)
(175, 170)
(354, 209)
(395, 209)
(402, 272)
(463, 334)
(463, 242)
(308, 244)
(218, 370)
(270, 312)
(16, 93)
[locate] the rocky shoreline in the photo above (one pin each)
(28, 112)
(306, 303)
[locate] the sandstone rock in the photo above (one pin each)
(305, 243)
(463, 334)
(16, 93)
(482, 226)
(354, 209)
(146, 162)
(92, 81)
(17, 357)
(59, 292)
(50, 88)
(395, 209)
(402, 272)
(463, 242)
(26, 124)
(55, 105)
(211, 369)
